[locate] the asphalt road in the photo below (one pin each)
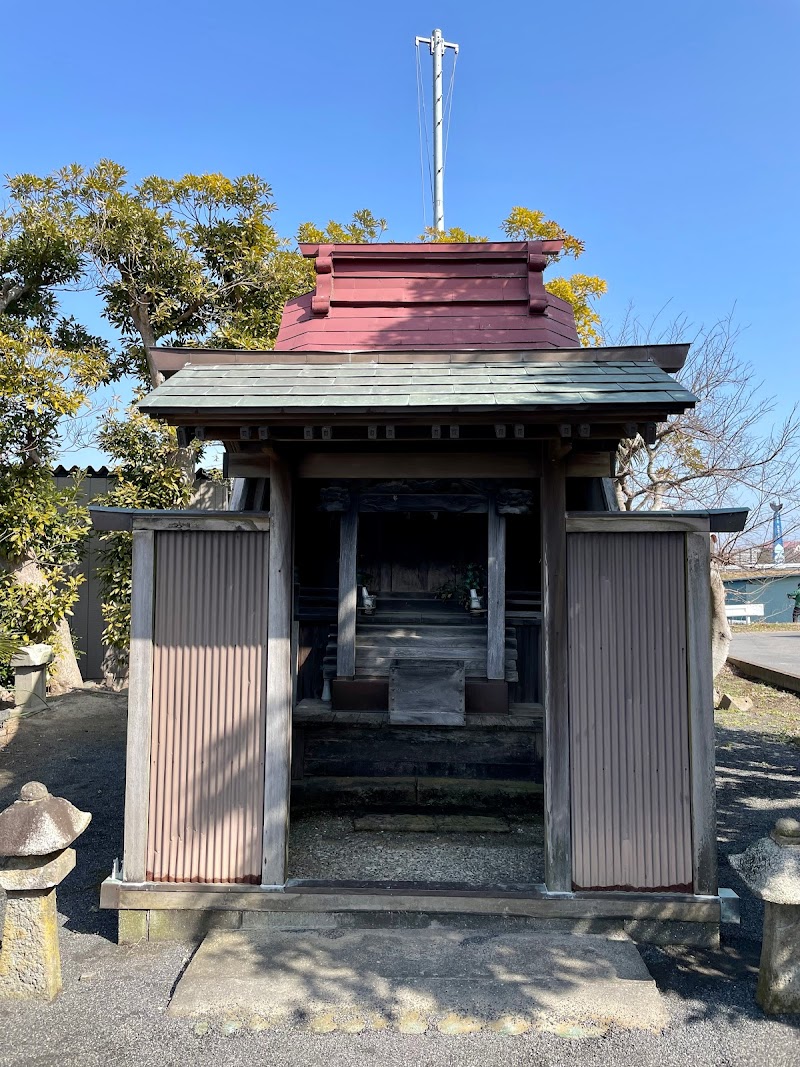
(778, 652)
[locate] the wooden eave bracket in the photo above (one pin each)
(537, 294)
(323, 264)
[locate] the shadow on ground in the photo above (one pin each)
(77, 748)
(114, 1000)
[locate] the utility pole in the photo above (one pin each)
(437, 45)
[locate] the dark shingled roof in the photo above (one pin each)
(266, 389)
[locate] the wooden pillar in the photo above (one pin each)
(140, 703)
(348, 592)
(496, 595)
(277, 759)
(558, 846)
(701, 719)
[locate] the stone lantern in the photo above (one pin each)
(35, 834)
(771, 870)
(30, 676)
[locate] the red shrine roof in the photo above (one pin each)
(417, 297)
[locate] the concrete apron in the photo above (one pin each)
(451, 981)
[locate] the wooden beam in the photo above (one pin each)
(236, 522)
(140, 700)
(496, 596)
(409, 465)
(558, 843)
(590, 464)
(348, 593)
(421, 465)
(277, 761)
(310, 897)
(634, 522)
(701, 717)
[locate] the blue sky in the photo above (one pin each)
(665, 136)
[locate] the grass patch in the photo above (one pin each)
(775, 711)
(763, 627)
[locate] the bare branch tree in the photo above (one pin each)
(728, 451)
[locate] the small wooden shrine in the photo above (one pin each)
(424, 580)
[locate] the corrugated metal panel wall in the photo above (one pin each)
(629, 715)
(208, 718)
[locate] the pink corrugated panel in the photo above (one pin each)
(629, 713)
(208, 719)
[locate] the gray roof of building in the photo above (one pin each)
(261, 389)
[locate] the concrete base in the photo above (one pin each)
(30, 688)
(778, 990)
(187, 926)
(191, 927)
(30, 962)
(453, 981)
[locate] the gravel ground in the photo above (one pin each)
(327, 846)
(114, 1000)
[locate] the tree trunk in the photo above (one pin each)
(63, 673)
(720, 627)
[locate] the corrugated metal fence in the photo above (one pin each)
(87, 619)
(629, 715)
(208, 708)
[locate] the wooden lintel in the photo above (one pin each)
(412, 465)
(421, 465)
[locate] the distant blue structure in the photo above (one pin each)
(778, 554)
(767, 589)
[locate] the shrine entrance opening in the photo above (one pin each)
(419, 758)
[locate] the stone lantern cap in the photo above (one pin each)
(770, 867)
(32, 656)
(38, 823)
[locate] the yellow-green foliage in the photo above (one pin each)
(40, 523)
